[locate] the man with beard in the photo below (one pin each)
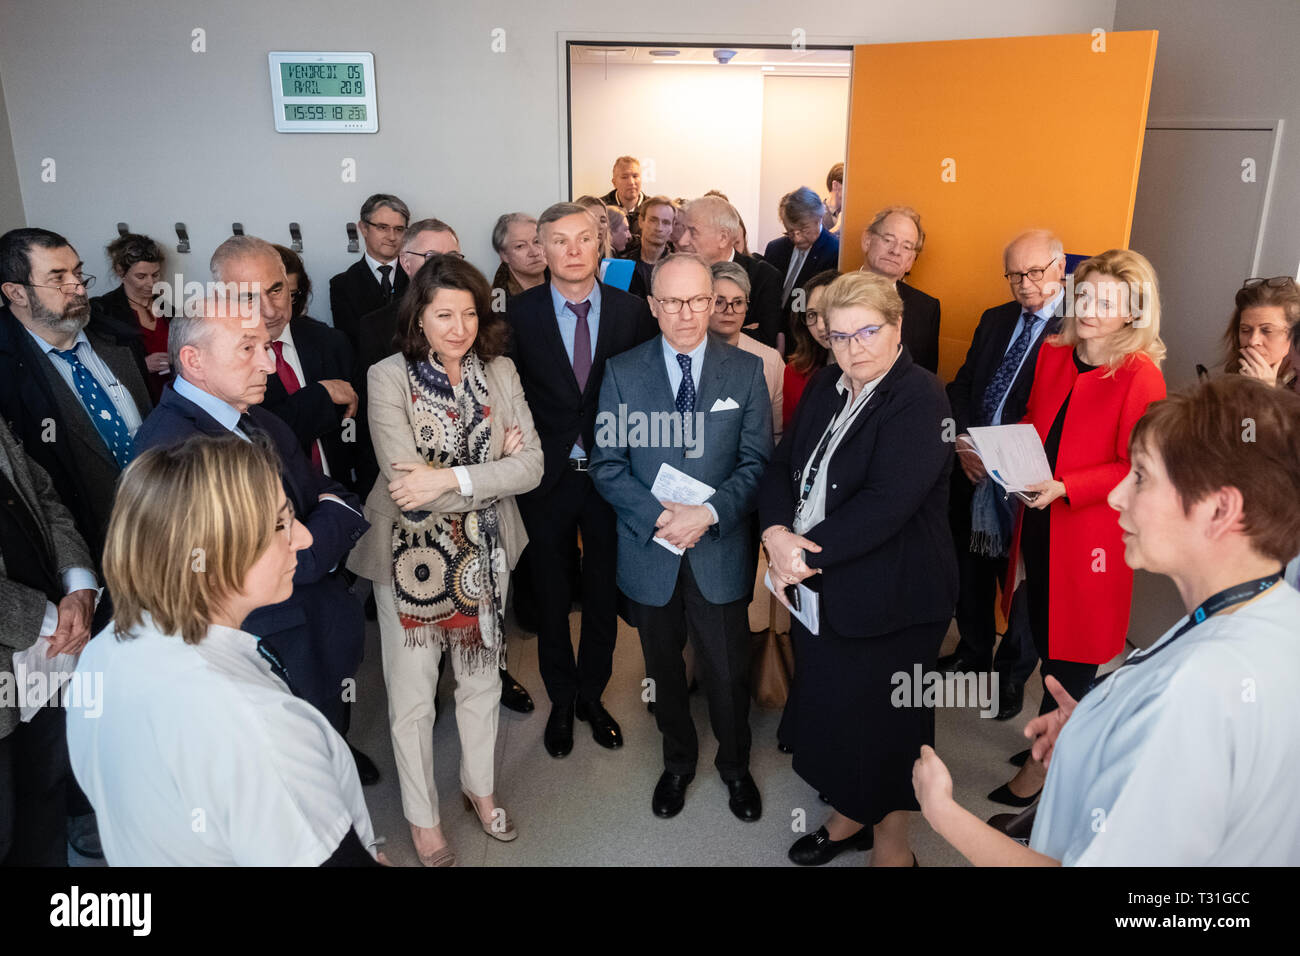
(73, 400)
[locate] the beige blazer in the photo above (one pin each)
(497, 481)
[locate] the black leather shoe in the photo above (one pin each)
(959, 663)
(818, 848)
(1003, 794)
(604, 728)
(1013, 699)
(366, 768)
(1020, 759)
(670, 794)
(745, 802)
(558, 736)
(514, 696)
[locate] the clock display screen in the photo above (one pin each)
(322, 79)
(315, 112)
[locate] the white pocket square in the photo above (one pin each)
(724, 405)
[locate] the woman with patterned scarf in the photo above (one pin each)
(455, 443)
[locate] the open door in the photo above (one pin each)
(986, 138)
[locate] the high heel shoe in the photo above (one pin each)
(1003, 794)
(505, 833)
(443, 856)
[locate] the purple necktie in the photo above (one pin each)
(581, 343)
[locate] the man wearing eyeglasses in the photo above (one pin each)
(373, 280)
(806, 249)
(891, 244)
(687, 566)
(73, 400)
(562, 335)
(992, 388)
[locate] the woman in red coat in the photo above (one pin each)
(1093, 381)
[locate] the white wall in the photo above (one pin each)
(11, 199)
(805, 129)
(1237, 60)
(146, 131)
(694, 128)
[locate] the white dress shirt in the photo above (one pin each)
(104, 375)
(374, 265)
(1190, 758)
(200, 756)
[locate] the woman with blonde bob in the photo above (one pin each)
(1094, 379)
(1186, 754)
(199, 754)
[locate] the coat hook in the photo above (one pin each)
(183, 235)
(353, 245)
(295, 235)
(123, 229)
(236, 228)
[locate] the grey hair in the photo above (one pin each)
(801, 205)
(907, 211)
(1055, 247)
(561, 210)
(678, 257)
(425, 225)
(240, 247)
(717, 212)
(504, 222)
(185, 329)
(384, 201)
(733, 271)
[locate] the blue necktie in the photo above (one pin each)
(108, 421)
(686, 390)
(1001, 381)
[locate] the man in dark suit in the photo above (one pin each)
(373, 280)
(562, 334)
(73, 399)
(890, 245)
(222, 360)
(806, 249)
(626, 194)
(703, 583)
(47, 601)
(311, 389)
(992, 388)
(712, 226)
(656, 222)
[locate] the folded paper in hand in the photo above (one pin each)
(809, 613)
(672, 484)
(1012, 455)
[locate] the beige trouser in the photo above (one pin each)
(411, 675)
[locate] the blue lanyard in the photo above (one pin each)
(1208, 608)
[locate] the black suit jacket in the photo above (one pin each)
(824, 254)
(764, 299)
(887, 560)
(318, 632)
(323, 353)
(560, 412)
(634, 219)
(355, 293)
(69, 448)
(920, 325)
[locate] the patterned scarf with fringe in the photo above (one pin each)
(449, 568)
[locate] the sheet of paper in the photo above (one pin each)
(56, 670)
(1012, 455)
(673, 484)
(808, 614)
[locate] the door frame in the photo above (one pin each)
(1272, 126)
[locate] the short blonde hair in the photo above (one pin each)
(866, 290)
(188, 523)
(1143, 333)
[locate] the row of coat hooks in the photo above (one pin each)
(237, 229)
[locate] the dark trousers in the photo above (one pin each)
(34, 772)
(554, 521)
(977, 597)
(722, 653)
